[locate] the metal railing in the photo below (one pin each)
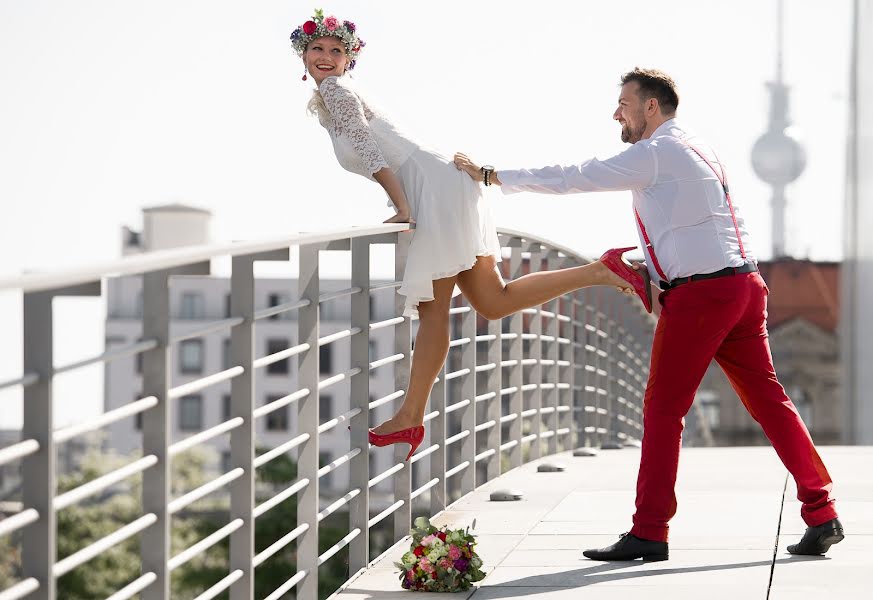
(569, 373)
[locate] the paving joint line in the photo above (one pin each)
(778, 533)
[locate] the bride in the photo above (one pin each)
(455, 239)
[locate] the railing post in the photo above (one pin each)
(468, 351)
(402, 345)
(577, 374)
(601, 374)
(39, 484)
(567, 373)
(359, 467)
(242, 439)
(494, 405)
(307, 421)
(550, 374)
(156, 432)
(536, 369)
(515, 376)
(437, 434)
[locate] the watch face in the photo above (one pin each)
(487, 168)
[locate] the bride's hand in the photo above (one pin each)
(463, 163)
(401, 218)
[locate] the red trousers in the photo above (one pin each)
(725, 319)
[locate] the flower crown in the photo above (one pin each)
(321, 26)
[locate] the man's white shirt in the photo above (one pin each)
(677, 195)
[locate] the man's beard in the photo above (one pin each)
(631, 136)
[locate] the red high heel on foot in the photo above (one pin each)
(639, 280)
(412, 436)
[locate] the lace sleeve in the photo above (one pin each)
(349, 120)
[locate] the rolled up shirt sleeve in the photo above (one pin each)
(634, 168)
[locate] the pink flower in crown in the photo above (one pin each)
(427, 540)
(454, 552)
(446, 564)
(331, 23)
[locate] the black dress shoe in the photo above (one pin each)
(630, 547)
(818, 539)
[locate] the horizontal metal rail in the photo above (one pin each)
(18, 450)
(17, 521)
(205, 330)
(278, 403)
(204, 490)
(221, 586)
(339, 335)
(101, 483)
(328, 296)
(205, 436)
(26, 380)
(281, 355)
(279, 309)
(113, 539)
(134, 587)
(280, 450)
(107, 356)
(203, 545)
(128, 410)
(287, 586)
(279, 544)
(200, 384)
(280, 497)
(20, 590)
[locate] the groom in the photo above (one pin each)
(714, 305)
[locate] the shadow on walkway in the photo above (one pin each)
(603, 572)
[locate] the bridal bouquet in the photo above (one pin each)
(440, 560)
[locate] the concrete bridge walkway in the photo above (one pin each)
(722, 539)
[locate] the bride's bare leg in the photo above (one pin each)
(431, 348)
(484, 287)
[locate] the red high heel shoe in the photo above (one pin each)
(639, 280)
(412, 436)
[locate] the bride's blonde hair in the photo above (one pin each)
(317, 107)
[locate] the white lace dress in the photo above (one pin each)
(453, 222)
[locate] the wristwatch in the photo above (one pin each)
(487, 171)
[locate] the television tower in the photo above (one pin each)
(778, 158)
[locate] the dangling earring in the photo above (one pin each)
(304, 74)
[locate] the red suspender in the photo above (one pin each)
(650, 247)
(722, 179)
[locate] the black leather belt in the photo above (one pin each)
(746, 268)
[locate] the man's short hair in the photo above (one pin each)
(655, 84)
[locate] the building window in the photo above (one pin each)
(710, 407)
(277, 345)
(373, 355)
(325, 407)
(803, 404)
(225, 461)
(372, 309)
(225, 407)
(324, 359)
(278, 419)
(191, 356)
(227, 305)
(137, 361)
(276, 299)
(137, 307)
(190, 413)
(192, 306)
(226, 356)
(137, 418)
